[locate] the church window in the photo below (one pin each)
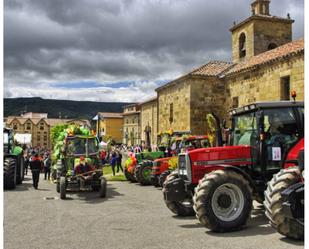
(272, 46)
(242, 45)
(235, 102)
(285, 88)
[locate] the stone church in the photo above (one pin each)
(267, 65)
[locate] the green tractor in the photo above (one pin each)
(137, 160)
(79, 150)
(13, 163)
(139, 167)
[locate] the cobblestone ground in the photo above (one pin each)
(130, 217)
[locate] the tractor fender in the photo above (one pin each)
(242, 172)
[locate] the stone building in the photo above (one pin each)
(109, 126)
(266, 66)
(184, 103)
(149, 121)
(131, 124)
(39, 126)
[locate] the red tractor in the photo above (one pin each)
(162, 167)
(218, 184)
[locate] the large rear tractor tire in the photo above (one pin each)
(273, 204)
(62, 187)
(9, 173)
(143, 171)
(163, 177)
(103, 188)
(184, 208)
(223, 201)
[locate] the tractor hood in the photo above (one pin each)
(196, 163)
(233, 155)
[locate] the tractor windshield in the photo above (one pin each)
(245, 129)
(76, 146)
(81, 146)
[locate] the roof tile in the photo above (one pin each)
(288, 49)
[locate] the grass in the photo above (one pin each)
(108, 174)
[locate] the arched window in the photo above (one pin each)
(42, 126)
(28, 126)
(272, 46)
(15, 126)
(242, 45)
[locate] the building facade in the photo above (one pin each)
(149, 122)
(267, 65)
(39, 126)
(109, 126)
(131, 125)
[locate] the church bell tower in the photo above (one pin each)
(260, 32)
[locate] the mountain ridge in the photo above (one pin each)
(56, 108)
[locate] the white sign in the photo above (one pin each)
(23, 138)
(276, 153)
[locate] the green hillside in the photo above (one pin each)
(55, 108)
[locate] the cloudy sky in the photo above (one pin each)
(117, 50)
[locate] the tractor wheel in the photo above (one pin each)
(129, 176)
(21, 164)
(184, 208)
(62, 187)
(103, 188)
(163, 176)
(9, 173)
(273, 204)
(223, 201)
(143, 172)
(58, 187)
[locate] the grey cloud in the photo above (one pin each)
(103, 40)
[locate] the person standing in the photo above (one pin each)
(47, 165)
(113, 162)
(35, 166)
(118, 161)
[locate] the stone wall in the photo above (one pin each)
(176, 95)
(267, 32)
(207, 96)
(149, 116)
(265, 84)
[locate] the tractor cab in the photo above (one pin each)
(271, 129)
(7, 140)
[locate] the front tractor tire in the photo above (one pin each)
(62, 187)
(184, 208)
(9, 173)
(163, 177)
(103, 188)
(273, 204)
(143, 171)
(223, 201)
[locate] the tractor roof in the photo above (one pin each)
(266, 105)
